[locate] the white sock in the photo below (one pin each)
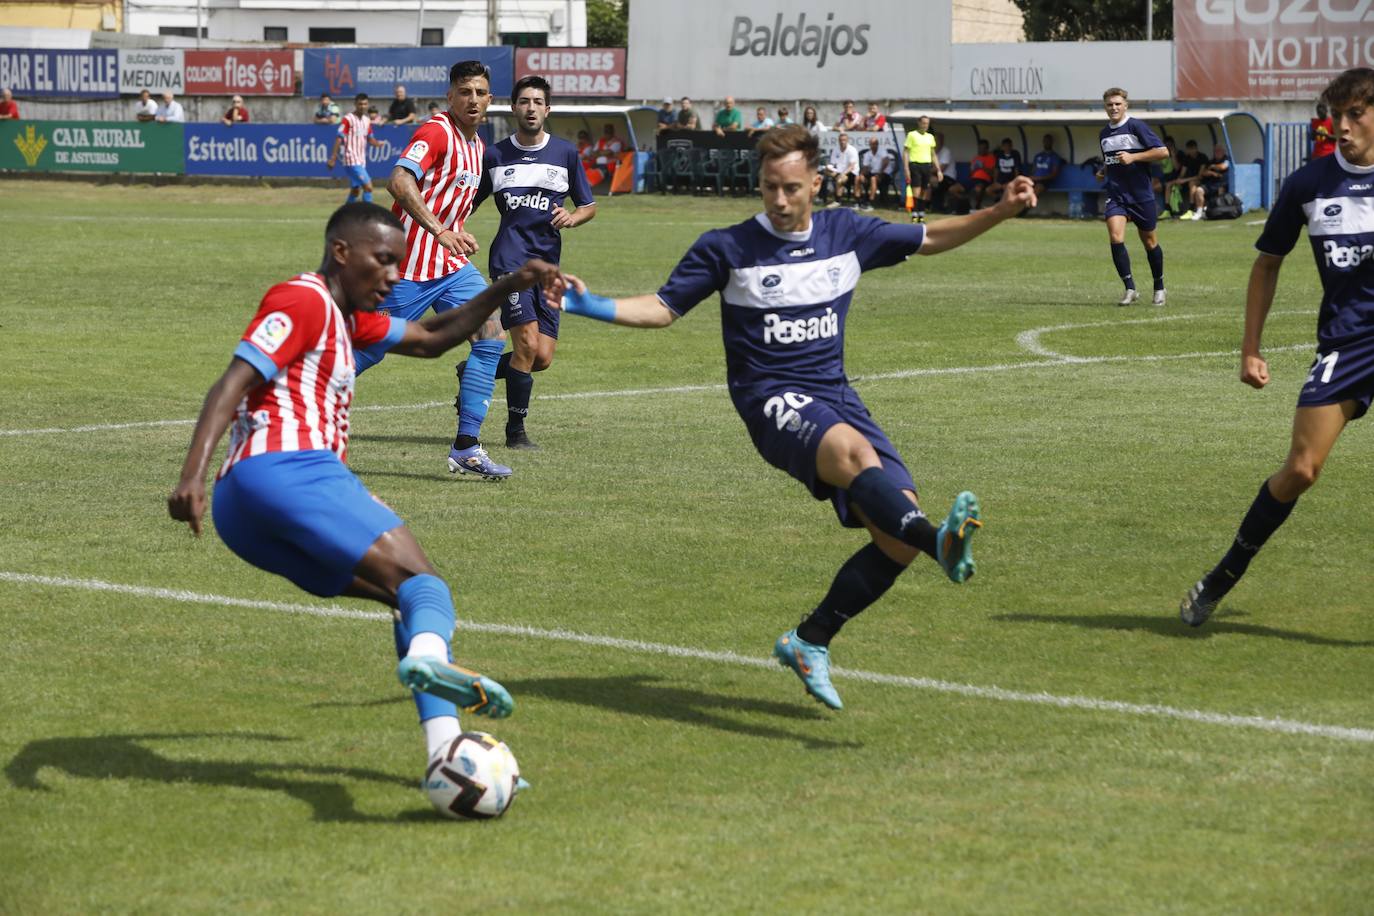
(439, 731)
(428, 644)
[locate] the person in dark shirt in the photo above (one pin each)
(1046, 165)
(1008, 162)
(1212, 181)
(402, 109)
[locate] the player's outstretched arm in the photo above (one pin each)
(187, 502)
(951, 233)
(438, 334)
(647, 311)
(1259, 296)
(405, 190)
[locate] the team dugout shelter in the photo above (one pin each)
(1076, 140)
(632, 123)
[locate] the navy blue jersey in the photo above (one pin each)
(1045, 162)
(1008, 165)
(1128, 182)
(526, 184)
(784, 296)
(1335, 201)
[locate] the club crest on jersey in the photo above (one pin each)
(552, 174)
(513, 298)
(272, 332)
(833, 272)
(417, 151)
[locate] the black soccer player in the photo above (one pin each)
(1334, 198)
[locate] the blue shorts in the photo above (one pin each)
(787, 422)
(1144, 214)
(410, 299)
(1343, 373)
(301, 515)
(357, 176)
(526, 306)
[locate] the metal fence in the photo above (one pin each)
(1286, 147)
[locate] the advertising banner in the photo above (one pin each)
(283, 150)
(90, 146)
(156, 69)
(575, 72)
(1268, 49)
(818, 51)
(60, 74)
(344, 72)
(1064, 71)
(241, 72)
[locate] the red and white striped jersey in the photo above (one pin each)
(300, 331)
(448, 169)
(355, 130)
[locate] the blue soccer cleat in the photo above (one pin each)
(812, 665)
(953, 547)
(466, 689)
(475, 460)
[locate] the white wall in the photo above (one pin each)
(1063, 71)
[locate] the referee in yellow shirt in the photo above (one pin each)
(922, 168)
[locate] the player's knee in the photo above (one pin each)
(541, 362)
(1302, 472)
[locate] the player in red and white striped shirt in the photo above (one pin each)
(354, 135)
(434, 183)
(284, 500)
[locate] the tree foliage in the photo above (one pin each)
(608, 23)
(1093, 20)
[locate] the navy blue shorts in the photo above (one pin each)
(787, 422)
(1144, 214)
(526, 306)
(302, 515)
(1344, 373)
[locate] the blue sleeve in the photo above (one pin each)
(879, 243)
(1148, 138)
(581, 191)
(701, 272)
(1286, 219)
(412, 167)
(484, 186)
(257, 359)
(393, 336)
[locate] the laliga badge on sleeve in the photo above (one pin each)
(272, 332)
(417, 151)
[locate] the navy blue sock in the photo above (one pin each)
(504, 365)
(479, 381)
(1155, 256)
(1122, 259)
(1265, 516)
(426, 606)
(861, 581)
(518, 387)
(890, 510)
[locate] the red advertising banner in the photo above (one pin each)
(242, 72)
(1268, 49)
(577, 72)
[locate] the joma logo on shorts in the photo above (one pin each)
(1338, 255)
(780, 330)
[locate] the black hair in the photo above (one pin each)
(532, 82)
(361, 97)
(466, 70)
(349, 218)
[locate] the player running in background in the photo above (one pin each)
(786, 278)
(1128, 148)
(284, 499)
(528, 175)
(1334, 198)
(355, 133)
(434, 184)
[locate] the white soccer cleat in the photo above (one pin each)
(1130, 298)
(1158, 298)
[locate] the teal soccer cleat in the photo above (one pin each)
(469, 690)
(812, 664)
(953, 547)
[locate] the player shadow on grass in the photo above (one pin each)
(639, 695)
(411, 439)
(102, 757)
(1172, 627)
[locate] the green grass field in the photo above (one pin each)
(172, 751)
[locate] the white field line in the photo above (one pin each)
(1030, 340)
(1091, 704)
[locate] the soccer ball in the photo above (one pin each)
(472, 776)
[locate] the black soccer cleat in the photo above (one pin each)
(519, 439)
(1200, 602)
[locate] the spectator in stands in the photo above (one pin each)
(876, 167)
(949, 194)
(170, 111)
(811, 122)
(1009, 166)
(585, 148)
(9, 108)
(980, 170)
(608, 149)
(402, 110)
(433, 109)
(875, 120)
(1212, 182)
(374, 115)
(145, 109)
(844, 171)
(687, 118)
(850, 119)
(728, 117)
(761, 121)
(667, 118)
(237, 113)
(1046, 165)
(328, 111)
(784, 117)
(1323, 134)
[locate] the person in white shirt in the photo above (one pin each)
(845, 170)
(169, 112)
(876, 165)
(948, 189)
(145, 109)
